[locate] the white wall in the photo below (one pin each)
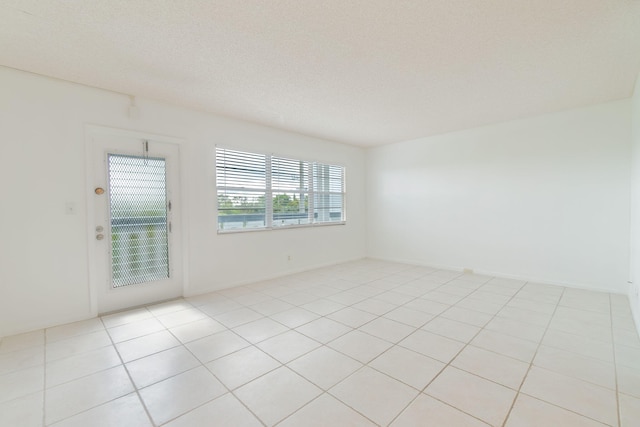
(43, 251)
(544, 199)
(634, 289)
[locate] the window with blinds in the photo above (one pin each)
(328, 192)
(242, 189)
(263, 191)
(290, 181)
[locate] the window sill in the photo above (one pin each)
(283, 227)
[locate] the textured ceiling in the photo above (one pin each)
(365, 72)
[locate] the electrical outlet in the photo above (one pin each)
(288, 257)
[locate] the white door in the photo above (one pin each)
(135, 235)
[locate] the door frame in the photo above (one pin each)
(92, 131)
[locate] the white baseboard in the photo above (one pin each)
(200, 291)
(44, 323)
(48, 323)
(543, 281)
(634, 303)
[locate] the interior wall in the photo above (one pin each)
(544, 199)
(43, 250)
(634, 289)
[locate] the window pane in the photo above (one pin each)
(242, 189)
(237, 210)
(290, 186)
(241, 170)
(328, 207)
(290, 209)
(328, 178)
(289, 174)
(328, 186)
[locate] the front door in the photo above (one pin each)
(136, 224)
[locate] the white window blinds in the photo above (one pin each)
(328, 186)
(242, 189)
(290, 181)
(261, 191)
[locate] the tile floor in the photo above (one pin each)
(358, 344)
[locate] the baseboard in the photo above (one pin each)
(201, 291)
(542, 281)
(636, 317)
(48, 323)
(634, 304)
(43, 324)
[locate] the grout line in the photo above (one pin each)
(533, 358)
(112, 345)
(44, 381)
(470, 294)
(615, 364)
(324, 392)
(559, 305)
(133, 384)
(421, 391)
(379, 274)
(448, 364)
(203, 364)
(363, 364)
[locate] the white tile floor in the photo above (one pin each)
(363, 343)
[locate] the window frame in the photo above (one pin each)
(310, 191)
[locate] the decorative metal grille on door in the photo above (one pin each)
(138, 212)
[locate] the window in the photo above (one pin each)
(290, 181)
(242, 189)
(262, 191)
(328, 192)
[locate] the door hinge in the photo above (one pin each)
(169, 206)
